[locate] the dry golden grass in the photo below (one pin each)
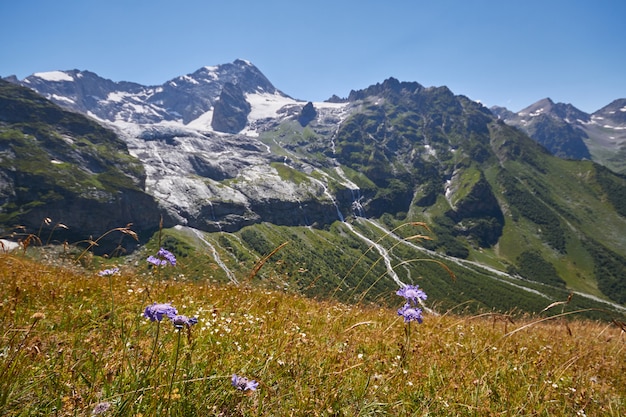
(63, 351)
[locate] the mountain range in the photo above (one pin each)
(568, 132)
(525, 207)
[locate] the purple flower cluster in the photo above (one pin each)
(162, 258)
(411, 313)
(243, 384)
(181, 321)
(413, 296)
(412, 293)
(108, 272)
(101, 408)
(157, 311)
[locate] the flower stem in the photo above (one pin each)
(169, 395)
(407, 343)
(112, 303)
(154, 348)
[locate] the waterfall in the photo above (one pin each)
(330, 197)
(219, 226)
(357, 207)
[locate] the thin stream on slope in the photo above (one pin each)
(466, 263)
(382, 251)
(216, 256)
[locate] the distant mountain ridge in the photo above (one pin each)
(564, 130)
(568, 132)
(181, 99)
(222, 150)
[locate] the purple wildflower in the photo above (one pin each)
(155, 312)
(410, 313)
(162, 258)
(108, 272)
(243, 384)
(156, 261)
(100, 408)
(412, 293)
(167, 255)
(180, 321)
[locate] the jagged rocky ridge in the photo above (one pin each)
(201, 176)
(568, 132)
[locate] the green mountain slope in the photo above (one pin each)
(63, 166)
(488, 191)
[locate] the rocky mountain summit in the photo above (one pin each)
(181, 99)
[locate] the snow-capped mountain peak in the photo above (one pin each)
(184, 99)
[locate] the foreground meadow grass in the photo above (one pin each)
(74, 343)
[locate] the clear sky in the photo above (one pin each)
(507, 53)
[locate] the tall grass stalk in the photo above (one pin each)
(92, 243)
(14, 351)
(56, 226)
(174, 366)
(112, 318)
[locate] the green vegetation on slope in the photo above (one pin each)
(338, 264)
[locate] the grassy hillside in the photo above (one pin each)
(65, 166)
(339, 263)
(75, 343)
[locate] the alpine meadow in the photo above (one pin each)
(212, 246)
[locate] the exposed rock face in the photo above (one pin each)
(93, 214)
(554, 125)
(560, 138)
(182, 99)
(614, 113)
(479, 215)
(225, 182)
(307, 114)
(231, 110)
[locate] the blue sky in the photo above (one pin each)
(507, 53)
